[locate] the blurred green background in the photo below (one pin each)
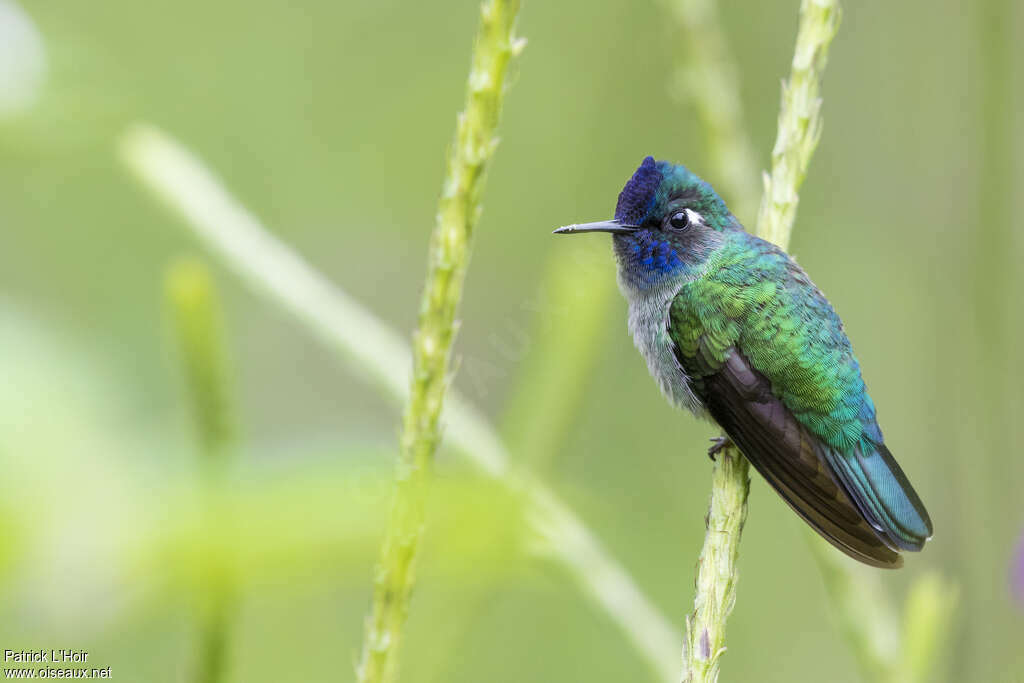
(330, 121)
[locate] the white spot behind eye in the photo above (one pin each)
(695, 218)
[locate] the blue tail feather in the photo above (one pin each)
(876, 483)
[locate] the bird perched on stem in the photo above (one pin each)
(733, 329)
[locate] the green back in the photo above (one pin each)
(752, 298)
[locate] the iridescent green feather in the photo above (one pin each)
(754, 298)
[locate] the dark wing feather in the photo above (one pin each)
(795, 463)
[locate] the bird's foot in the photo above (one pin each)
(719, 443)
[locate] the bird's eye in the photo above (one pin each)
(680, 220)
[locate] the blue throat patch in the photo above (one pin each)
(655, 254)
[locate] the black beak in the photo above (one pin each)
(613, 227)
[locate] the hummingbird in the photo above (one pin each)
(732, 329)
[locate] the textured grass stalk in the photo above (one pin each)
(799, 130)
(707, 77)
(458, 211)
(863, 612)
(800, 122)
(274, 270)
(564, 343)
(717, 573)
(195, 310)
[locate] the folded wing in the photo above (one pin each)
(790, 459)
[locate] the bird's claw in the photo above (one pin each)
(719, 443)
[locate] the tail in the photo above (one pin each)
(875, 482)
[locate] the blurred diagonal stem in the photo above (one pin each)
(195, 310)
(799, 130)
(457, 214)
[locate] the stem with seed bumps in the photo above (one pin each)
(458, 210)
(862, 610)
(799, 130)
(800, 122)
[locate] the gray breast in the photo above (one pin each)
(648, 323)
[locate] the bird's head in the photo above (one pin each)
(667, 221)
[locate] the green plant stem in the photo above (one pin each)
(198, 325)
(799, 130)
(564, 345)
(195, 310)
(800, 122)
(863, 612)
(717, 573)
(458, 211)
